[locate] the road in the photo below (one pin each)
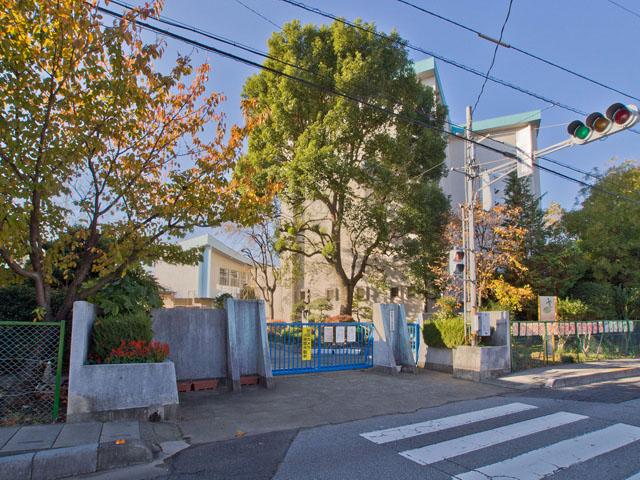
(576, 433)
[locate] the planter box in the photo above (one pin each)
(440, 359)
(115, 392)
(480, 363)
(123, 391)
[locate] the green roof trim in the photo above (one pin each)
(533, 116)
(428, 65)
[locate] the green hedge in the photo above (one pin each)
(444, 332)
(108, 332)
(18, 302)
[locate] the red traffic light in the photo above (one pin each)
(618, 113)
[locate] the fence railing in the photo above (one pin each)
(314, 347)
(30, 371)
(536, 344)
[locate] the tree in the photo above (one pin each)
(345, 169)
(425, 250)
(608, 231)
(92, 145)
(266, 273)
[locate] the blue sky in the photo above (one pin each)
(595, 38)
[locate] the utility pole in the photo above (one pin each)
(468, 230)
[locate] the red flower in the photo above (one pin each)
(138, 351)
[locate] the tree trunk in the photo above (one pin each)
(346, 298)
(271, 308)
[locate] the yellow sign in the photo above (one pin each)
(307, 340)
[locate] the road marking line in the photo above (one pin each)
(470, 443)
(545, 461)
(430, 426)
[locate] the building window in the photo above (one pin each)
(234, 278)
(243, 279)
(301, 296)
(394, 292)
(337, 294)
(360, 293)
(224, 277)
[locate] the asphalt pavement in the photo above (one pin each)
(590, 431)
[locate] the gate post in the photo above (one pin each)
(233, 366)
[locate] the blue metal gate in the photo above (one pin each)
(318, 347)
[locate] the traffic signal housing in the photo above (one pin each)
(456, 262)
(617, 117)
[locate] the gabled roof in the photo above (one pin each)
(210, 241)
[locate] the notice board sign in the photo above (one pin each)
(307, 340)
(547, 309)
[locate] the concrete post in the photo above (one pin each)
(233, 365)
(264, 357)
(405, 354)
(383, 357)
(84, 314)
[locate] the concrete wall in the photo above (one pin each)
(196, 338)
(111, 392)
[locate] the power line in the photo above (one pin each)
(352, 98)
(442, 58)
(493, 58)
(522, 51)
(632, 12)
(264, 17)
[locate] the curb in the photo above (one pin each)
(71, 461)
(592, 378)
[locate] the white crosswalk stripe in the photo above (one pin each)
(545, 461)
(431, 426)
(533, 465)
(460, 446)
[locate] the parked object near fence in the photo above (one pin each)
(392, 347)
(115, 391)
(536, 344)
(30, 370)
(318, 347)
(212, 345)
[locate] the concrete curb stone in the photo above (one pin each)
(71, 461)
(16, 467)
(64, 462)
(576, 380)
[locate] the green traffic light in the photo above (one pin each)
(582, 132)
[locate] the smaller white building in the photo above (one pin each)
(222, 270)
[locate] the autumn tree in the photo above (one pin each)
(345, 169)
(267, 271)
(96, 144)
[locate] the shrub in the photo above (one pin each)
(136, 292)
(569, 309)
(18, 303)
(218, 302)
(138, 351)
(317, 309)
(444, 332)
(110, 332)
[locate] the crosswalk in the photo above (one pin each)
(535, 464)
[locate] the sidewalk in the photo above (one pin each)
(571, 375)
(44, 452)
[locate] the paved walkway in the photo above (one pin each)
(570, 375)
(309, 400)
(42, 452)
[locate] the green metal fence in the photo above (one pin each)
(30, 371)
(537, 344)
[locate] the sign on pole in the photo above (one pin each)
(307, 340)
(547, 309)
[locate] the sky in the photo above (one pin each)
(593, 37)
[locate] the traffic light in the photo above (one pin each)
(596, 126)
(456, 262)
